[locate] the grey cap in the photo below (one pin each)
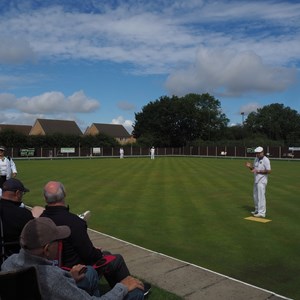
(41, 231)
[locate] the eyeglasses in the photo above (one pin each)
(22, 192)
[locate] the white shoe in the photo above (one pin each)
(254, 212)
(258, 216)
(85, 216)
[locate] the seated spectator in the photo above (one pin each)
(78, 248)
(39, 241)
(13, 216)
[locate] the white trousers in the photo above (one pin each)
(259, 197)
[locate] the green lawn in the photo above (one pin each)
(189, 208)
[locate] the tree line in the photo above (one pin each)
(191, 120)
(194, 120)
(11, 138)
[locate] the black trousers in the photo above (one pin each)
(2, 180)
(115, 271)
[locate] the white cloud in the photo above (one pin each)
(7, 82)
(20, 118)
(52, 105)
(7, 101)
(228, 73)
(57, 102)
(249, 108)
(126, 123)
(15, 51)
(152, 36)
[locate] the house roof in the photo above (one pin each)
(24, 129)
(57, 126)
(113, 130)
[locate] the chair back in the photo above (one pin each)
(20, 284)
(6, 248)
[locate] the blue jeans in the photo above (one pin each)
(136, 294)
(90, 282)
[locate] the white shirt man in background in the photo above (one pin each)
(121, 153)
(152, 152)
(7, 168)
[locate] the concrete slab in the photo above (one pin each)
(178, 277)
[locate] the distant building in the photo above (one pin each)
(46, 126)
(116, 131)
(24, 129)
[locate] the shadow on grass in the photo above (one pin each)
(247, 208)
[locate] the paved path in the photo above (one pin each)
(178, 277)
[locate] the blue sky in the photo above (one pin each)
(101, 61)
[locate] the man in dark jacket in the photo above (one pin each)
(13, 216)
(78, 248)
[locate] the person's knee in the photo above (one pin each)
(119, 258)
(92, 274)
(90, 281)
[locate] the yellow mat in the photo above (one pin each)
(261, 220)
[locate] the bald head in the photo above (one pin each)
(54, 192)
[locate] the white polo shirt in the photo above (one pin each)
(261, 164)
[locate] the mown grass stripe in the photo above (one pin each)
(189, 208)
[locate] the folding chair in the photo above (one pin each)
(6, 248)
(20, 284)
(105, 260)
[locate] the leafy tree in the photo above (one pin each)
(276, 122)
(179, 121)
(37, 141)
(11, 138)
(236, 132)
(100, 140)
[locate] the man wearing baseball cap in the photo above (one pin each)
(260, 168)
(40, 241)
(13, 216)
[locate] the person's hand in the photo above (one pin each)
(78, 272)
(14, 175)
(248, 165)
(132, 283)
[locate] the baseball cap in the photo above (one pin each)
(41, 231)
(259, 149)
(2, 148)
(13, 185)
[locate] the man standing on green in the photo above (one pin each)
(7, 168)
(260, 168)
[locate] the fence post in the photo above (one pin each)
(279, 152)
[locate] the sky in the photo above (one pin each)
(102, 61)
